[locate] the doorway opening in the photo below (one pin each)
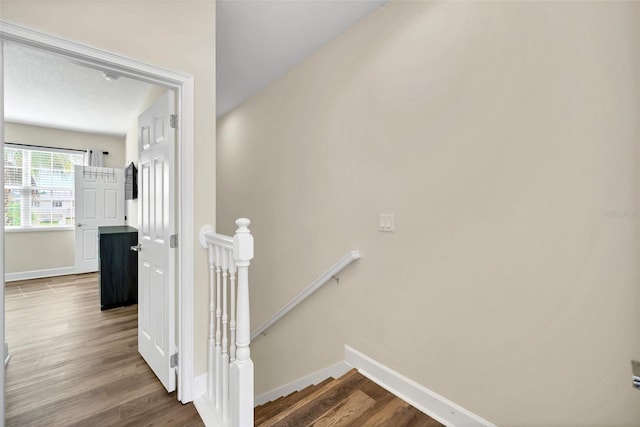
(183, 87)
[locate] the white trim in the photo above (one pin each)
(427, 401)
(37, 274)
(39, 229)
(183, 84)
(203, 405)
(186, 292)
(92, 57)
(336, 370)
(207, 413)
(2, 321)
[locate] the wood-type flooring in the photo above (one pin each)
(74, 365)
(351, 400)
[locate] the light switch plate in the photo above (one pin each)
(386, 223)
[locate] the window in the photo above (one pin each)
(39, 187)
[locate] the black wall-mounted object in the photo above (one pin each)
(131, 182)
(118, 266)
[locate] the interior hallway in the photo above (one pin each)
(72, 364)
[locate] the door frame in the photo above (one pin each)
(183, 85)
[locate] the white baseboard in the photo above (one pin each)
(427, 401)
(200, 385)
(38, 274)
(207, 413)
(335, 371)
(202, 404)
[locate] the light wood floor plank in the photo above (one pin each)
(74, 365)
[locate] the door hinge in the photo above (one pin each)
(173, 121)
(173, 241)
(173, 360)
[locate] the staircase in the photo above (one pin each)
(351, 400)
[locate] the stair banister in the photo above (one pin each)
(350, 257)
(229, 395)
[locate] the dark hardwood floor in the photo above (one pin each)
(349, 401)
(74, 365)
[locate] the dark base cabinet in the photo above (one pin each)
(118, 266)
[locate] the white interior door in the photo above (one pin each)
(99, 202)
(156, 225)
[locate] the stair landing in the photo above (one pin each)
(351, 400)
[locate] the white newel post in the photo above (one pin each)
(242, 367)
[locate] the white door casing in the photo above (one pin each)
(99, 202)
(2, 322)
(156, 225)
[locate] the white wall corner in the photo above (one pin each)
(427, 401)
(336, 370)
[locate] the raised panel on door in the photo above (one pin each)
(144, 290)
(145, 200)
(145, 136)
(89, 247)
(160, 127)
(90, 204)
(111, 203)
(159, 193)
(159, 297)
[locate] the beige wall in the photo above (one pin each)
(504, 138)
(174, 34)
(44, 250)
(39, 250)
(131, 149)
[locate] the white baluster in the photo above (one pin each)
(225, 338)
(218, 331)
(242, 367)
(210, 354)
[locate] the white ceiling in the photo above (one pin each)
(46, 90)
(257, 42)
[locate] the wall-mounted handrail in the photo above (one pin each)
(313, 286)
